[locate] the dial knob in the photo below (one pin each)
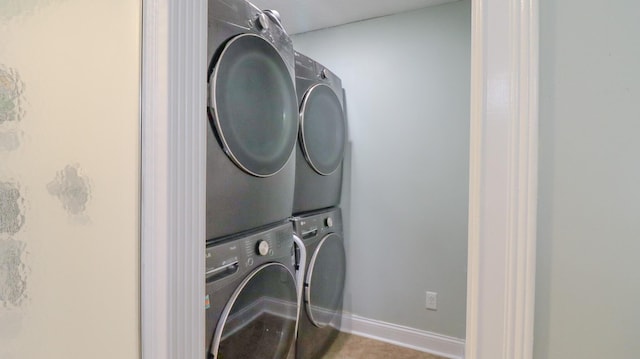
(262, 247)
(263, 22)
(324, 74)
(328, 222)
(275, 14)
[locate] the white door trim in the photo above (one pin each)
(173, 178)
(503, 175)
(503, 179)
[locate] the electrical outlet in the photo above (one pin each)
(432, 301)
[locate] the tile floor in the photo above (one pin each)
(349, 346)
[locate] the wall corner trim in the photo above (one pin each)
(503, 179)
(173, 123)
(425, 341)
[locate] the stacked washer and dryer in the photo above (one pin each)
(317, 218)
(252, 296)
(275, 262)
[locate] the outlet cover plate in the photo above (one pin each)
(432, 301)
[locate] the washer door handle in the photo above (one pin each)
(310, 233)
(221, 272)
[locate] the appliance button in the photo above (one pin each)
(262, 247)
(328, 222)
(263, 22)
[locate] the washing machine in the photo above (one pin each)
(322, 282)
(322, 136)
(252, 297)
(253, 119)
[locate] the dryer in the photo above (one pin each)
(253, 119)
(322, 136)
(252, 301)
(322, 281)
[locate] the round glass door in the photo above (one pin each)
(322, 129)
(261, 317)
(325, 280)
(253, 105)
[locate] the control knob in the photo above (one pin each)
(328, 222)
(262, 247)
(263, 22)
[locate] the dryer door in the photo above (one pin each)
(322, 129)
(253, 105)
(261, 317)
(324, 284)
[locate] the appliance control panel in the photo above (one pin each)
(318, 225)
(240, 255)
(267, 25)
(312, 72)
(305, 68)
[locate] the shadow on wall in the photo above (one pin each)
(13, 270)
(73, 190)
(13, 273)
(11, 108)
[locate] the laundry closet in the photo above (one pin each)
(395, 184)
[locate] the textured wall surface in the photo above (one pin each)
(69, 179)
(588, 282)
(407, 82)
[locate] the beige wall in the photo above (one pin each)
(69, 179)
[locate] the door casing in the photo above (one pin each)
(502, 188)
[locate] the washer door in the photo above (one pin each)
(322, 129)
(261, 317)
(253, 105)
(324, 284)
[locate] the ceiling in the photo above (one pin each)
(306, 15)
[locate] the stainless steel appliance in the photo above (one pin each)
(322, 282)
(253, 119)
(252, 302)
(322, 136)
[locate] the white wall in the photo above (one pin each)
(588, 280)
(69, 179)
(407, 81)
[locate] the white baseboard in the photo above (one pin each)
(437, 344)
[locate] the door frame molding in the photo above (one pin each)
(173, 105)
(502, 188)
(502, 179)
